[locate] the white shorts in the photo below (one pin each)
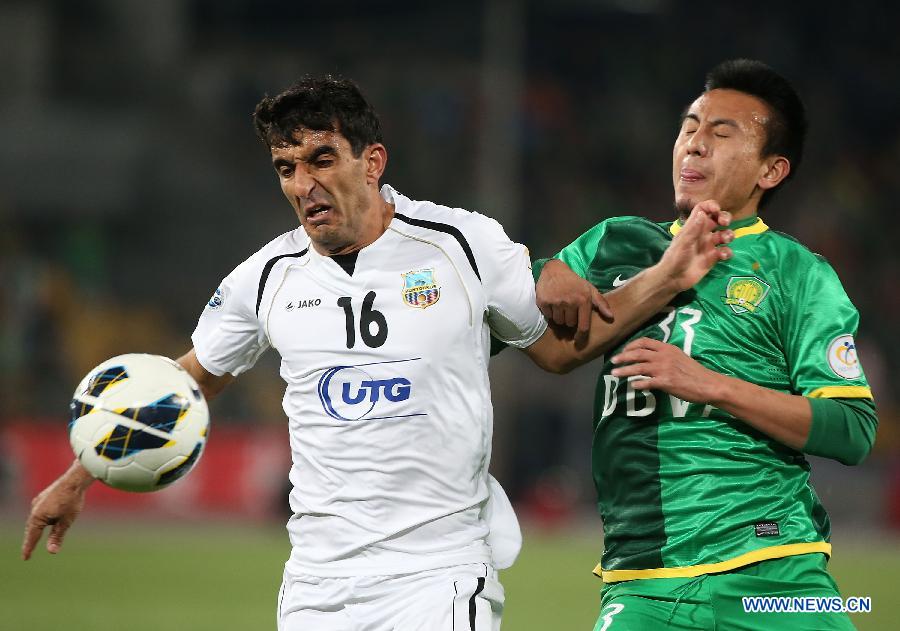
(459, 598)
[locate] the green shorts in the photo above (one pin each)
(714, 601)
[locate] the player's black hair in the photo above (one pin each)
(321, 103)
(786, 126)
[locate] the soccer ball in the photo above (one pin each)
(139, 422)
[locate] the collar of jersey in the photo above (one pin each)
(750, 225)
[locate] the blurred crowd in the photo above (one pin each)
(131, 180)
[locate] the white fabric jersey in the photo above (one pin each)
(387, 384)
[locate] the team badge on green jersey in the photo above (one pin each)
(420, 289)
(745, 293)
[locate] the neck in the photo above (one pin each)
(748, 210)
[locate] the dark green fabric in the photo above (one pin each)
(842, 429)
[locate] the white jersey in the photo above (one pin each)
(387, 393)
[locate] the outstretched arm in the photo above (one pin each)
(58, 505)
(698, 246)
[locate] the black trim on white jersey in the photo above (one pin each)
(267, 269)
(347, 262)
(472, 603)
(448, 229)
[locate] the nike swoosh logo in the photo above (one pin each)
(618, 282)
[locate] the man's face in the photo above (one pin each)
(717, 153)
(327, 187)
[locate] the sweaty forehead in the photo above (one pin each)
(745, 109)
(308, 140)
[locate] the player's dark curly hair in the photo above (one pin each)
(787, 124)
(322, 103)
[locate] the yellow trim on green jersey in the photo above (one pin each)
(841, 392)
(690, 571)
(755, 228)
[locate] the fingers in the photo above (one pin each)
(713, 211)
(584, 319)
(707, 206)
(722, 237)
(698, 223)
(33, 532)
(57, 533)
(631, 357)
(600, 303)
(559, 315)
(640, 343)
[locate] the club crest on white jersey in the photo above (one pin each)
(420, 289)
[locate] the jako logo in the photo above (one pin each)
(302, 304)
(367, 391)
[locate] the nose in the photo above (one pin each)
(301, 184)
(697, 143)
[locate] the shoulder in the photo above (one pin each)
(478, 238)
(625, 227)
(243, 285)
(428, 215)
(622, 240)
(791, 252)
(293, 243)
(802, 272)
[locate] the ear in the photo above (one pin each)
(376, 160)
(776, 168)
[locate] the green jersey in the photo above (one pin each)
(687, 489)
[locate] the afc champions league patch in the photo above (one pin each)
(745, 293)
(420, 289)
(218, 299)
(842, 357)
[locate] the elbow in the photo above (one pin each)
(556, 364)
(857, 456)
(562, 368)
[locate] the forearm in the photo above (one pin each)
(210, 385)
(642, 297)
(840, 429)
(785, 417)
(76, 478)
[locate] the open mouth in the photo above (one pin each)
(317, 212)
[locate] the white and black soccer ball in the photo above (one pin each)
(139, 422)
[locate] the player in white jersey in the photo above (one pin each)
(381, 309)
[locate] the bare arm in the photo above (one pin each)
(210, 384)
(559, 350)
(59, 504)
(690, 256)
(845, 428)
(785, 417)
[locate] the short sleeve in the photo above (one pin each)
(505, 270)
(580, 254)
(229, 337)
(819, 327)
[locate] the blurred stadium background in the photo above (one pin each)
(131, 182)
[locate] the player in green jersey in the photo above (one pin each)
(704, 414)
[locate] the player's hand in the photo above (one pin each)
(665, 367)
(699, 245)
(566, 299)
(56, 506)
